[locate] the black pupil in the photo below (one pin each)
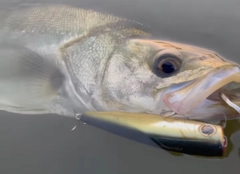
(168, 67)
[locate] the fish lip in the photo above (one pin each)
(184, 100)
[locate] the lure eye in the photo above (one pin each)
(166, 65)
(207, 130)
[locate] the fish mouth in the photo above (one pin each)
(206, 88)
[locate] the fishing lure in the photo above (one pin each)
(172, 134)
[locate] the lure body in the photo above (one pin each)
(173, 134)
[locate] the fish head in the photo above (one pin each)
(162, 77)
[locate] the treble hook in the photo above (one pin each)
(77, 117)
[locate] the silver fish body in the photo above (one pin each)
(64, 60)
(65, 51)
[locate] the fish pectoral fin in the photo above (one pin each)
(28, 81)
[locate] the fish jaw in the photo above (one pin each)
(213, 112)
(193, 99)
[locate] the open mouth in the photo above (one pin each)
(208, 87)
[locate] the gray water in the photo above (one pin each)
(46, 144)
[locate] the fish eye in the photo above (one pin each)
(166, 65)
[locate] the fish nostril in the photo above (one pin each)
(203, 58)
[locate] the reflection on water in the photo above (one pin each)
(232, 127)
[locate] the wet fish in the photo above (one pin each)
(65, 60)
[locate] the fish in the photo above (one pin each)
(171, 134)
(67, 60)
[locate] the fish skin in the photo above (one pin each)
(73, 60)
